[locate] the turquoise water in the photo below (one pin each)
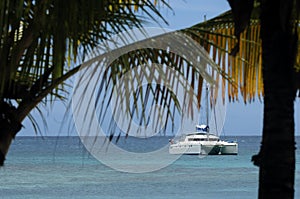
(60, 167)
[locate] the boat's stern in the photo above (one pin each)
(229, 148)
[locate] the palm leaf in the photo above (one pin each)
(245, 68)
(134, 66)
(41, 37)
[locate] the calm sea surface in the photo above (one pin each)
(60, 167)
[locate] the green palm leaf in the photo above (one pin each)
(40, 38)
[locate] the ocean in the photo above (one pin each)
(61, 167)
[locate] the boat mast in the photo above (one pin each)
(207, 104)
(206, 96)
(207, 108)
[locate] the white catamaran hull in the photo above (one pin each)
(195, 149)
(229, 148)
(198, 149)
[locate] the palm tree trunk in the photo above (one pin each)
(11, 117)
(11, 122)
(5, 141)
(277, 155)
(9, 127)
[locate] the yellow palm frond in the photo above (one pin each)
(217, 35)
(245, 68)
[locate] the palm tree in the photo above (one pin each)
(274, 58)
(276, 158)
(279, 43)
(40, 43)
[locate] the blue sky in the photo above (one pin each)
(242, 119)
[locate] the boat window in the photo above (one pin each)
(197, 139)
(203, 139)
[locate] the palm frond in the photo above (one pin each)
(39, 39)
(245, 68)
(42, 42)
(217, 37)
(154, 71)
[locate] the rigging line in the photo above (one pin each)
(215, 117)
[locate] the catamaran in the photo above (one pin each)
(202, 142)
